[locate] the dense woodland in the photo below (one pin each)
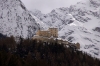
(28, 52)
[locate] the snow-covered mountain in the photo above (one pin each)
(16, 20)
(43, 26)
(78, 23)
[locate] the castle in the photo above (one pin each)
(52, 32)
(51, 35)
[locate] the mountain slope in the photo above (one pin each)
(78, 23)
(16, 20)
(39, 22)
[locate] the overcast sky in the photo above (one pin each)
(45, 6)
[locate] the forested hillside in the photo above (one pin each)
(29, 52)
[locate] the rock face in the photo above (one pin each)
(16, 20)
(97, 29)
(78, 23)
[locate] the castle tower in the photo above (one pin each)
(53, 32)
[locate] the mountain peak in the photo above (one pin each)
(16, 20)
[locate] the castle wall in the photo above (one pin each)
(52, 32)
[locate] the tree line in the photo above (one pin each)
(28, 52)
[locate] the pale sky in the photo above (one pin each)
(45, 6)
